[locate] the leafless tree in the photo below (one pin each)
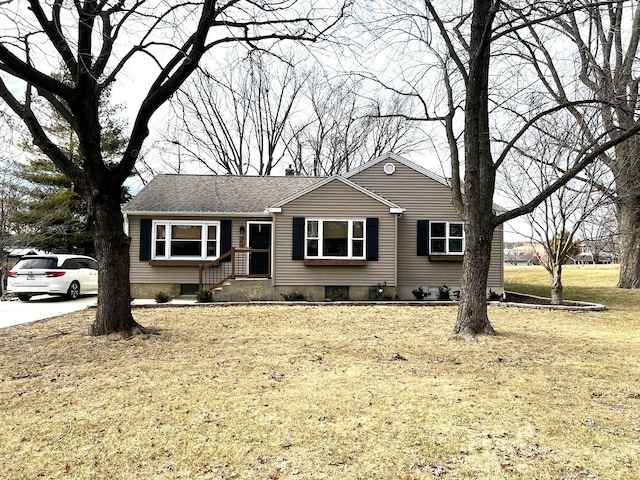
(266, 109)
(606, 38)
(346, 126)
(473, 78)
(555, 223)
(99, 42)
(599, 235)
(9, 184)
(234, 122)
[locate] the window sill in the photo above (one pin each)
(333, 262)
(446, 258)
(178, 263)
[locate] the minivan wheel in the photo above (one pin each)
(74, 290)
(24, 298)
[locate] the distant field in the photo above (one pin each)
(334, 392)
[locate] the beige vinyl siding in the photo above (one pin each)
(334, 200)
(143, 272)
(423, 199)
(496, 270)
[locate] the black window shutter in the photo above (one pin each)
(423, 238)
(372, 239)
(145, 239)
(225, 238)
(298, 239)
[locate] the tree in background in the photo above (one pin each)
(345, 128)
(267, 110)
(9, 198)
(51, 215)
(558, 250)
(233, 122)
(99, 42)
(555, 224)
(599, 234)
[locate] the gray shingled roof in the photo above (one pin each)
(215, 193)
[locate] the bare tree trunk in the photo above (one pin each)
(479, 181)
(112, 252)
(629, 226)
(472, 312)
(556, 285)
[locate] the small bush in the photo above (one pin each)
(382, 296)
(419, 293)
(338, 295)
(494, 297)
(204, 295)
(293, 296)
(443, 293)
(163, 297)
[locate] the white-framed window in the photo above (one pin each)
(335, 238)
(446, 238)
(185, 240)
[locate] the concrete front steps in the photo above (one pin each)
(244, 290)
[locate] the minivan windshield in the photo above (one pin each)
(36, 263)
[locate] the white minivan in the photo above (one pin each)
(54, 274)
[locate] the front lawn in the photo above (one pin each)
(340, 392)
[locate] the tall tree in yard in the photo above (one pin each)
(97, 43)
(481, 51)
(474, 198)
(606, 37)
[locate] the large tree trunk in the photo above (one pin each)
(473, 318)
(556, 285)
(479, 181)
(625, 166)
(629, 227)
(112, 252)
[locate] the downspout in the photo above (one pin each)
(395, 260)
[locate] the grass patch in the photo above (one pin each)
(341, 392)
(583, 283)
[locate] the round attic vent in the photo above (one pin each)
(389, 168)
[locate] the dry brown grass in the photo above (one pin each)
(301, 392)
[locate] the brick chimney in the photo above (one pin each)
(289, 172)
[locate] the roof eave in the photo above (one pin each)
(263, 213)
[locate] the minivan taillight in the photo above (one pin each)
(13, 274)
(56, 273)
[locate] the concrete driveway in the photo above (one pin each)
(15, 312)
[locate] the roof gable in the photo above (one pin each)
(397, 158)
(393, 208)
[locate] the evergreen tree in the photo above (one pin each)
(52, 216)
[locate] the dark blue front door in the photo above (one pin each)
(259, 237)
